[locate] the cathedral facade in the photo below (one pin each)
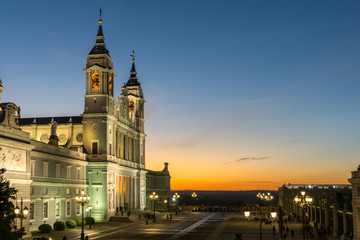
(102, 151)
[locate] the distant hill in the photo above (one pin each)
(222, 198)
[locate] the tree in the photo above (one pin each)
(7, 214)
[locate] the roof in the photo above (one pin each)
(47, 120)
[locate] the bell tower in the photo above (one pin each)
(99, 78)
(132, 99)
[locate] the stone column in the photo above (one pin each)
(127, 192)
(122, 186)
(320, 216)
(327, 217)
(126, 147)
(335, 219)
(345, 221)
(136, 192)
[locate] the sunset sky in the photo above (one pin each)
(240, 94)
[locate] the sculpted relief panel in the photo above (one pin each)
(12, 159)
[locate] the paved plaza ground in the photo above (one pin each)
(186, 225)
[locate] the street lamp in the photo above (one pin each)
(176, 197)
(82, 199)
(21, 213)
(153, 197)
(194, 195)
(247, 214)
(264, 197)
(303, 200)
(89, 210)
(165, 203)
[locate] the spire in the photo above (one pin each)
(99, 47)
(133, 81)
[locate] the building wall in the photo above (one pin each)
(58, 175)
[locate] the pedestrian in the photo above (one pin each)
(171, 217)
(64, 238)
(287, 229)
(284, 236)
(139, 216)
(128, 214)
(292, 233)
(122, 212)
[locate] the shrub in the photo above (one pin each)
(59, 226)
(78, 222)
(45, 228)
(70, 223)
(90, 219)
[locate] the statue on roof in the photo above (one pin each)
(53, 127)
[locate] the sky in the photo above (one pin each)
(239, 95)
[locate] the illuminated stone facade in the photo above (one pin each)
(101, 151)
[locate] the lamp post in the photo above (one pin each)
(247, 214)
(82, 199)
(153, 197)
(194, 195)
(21, 213)
(165, 203)
(89, 210)
(176, 197)
(264, 197)
(303, 200)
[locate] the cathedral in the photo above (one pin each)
(102, 151)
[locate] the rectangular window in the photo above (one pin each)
(32, 168)
(57, 209)
(110, 149)
(77, 209)
(67, 191)
(45, 169)
(45, 209)
(32, 211)
(77, 191)
(32, 191)
(94, 148)
(46, 191)
(68, 172)
(58, 167)
(78, 173)
(68, 208)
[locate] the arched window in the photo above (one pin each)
(96, 80)
(131, 107)
(110, 84)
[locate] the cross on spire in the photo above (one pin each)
(100, 12)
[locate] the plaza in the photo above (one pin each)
(186, 225)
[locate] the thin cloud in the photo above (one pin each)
(247, 159)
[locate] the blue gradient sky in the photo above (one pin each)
(240, 94)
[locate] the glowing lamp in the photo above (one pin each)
(303, 193)
(17, 210)
(297, 199)
(273, 214)
(247, 214)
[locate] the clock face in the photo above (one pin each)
(44, 138)
(96, 80)
(79, 138)
(62, 138)
(131, 107)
